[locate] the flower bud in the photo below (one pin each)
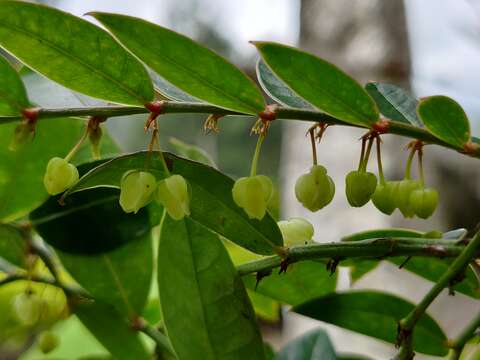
(315, 189)
(28, 307)
(136, 190)
(402, 196)
(47, 341)
(253, 194)
(384, 197)
(296, 231)
(424, 202)
(173, 194)
(59, 176)
(360, 186)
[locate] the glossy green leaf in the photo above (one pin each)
(277, 90)
(191, 152)
(109, 227)
(73, 52)
(106, 251)
(320, 83)
(383, 233)
(112, 330)
(205, 306)
(359, 268)
(302, 282)
(120, 278)
(211, 202)
(13, 246)
(22, 171)
(394, 102)
(375, 314)
(187, 65)
(13, 96)
(313, 345)
(445, 119)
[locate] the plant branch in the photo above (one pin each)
(160, 339)
(173, 107)
(370, 249)
(458, 343)
(407, 324)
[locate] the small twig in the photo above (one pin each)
(160, 339)
(407, 324)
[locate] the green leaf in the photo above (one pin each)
(112, 330)
(277, 90)
(109, 227)
(313, 345)
(211, 204)
(187, 65)
(320, 83)
(191, 152)
(383, 233)
(302, 282)
(359, 268)
(375, 314)
(394, 102)
(13, 96)
(22, 171)
(13, 246)
(73, 52)
(89, 226)
(265, 308)
(445, 119)
(204, 303)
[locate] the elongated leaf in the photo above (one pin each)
(73, 52)
(359, 268)
(211, 202)
(445, 119)
(13, 96)
(22, 171)
(277, 90)
(201, 291)
(106, 251)
(112, 330)
(394, 102)
(265, 307)
(13, 246)
(313, 345)
(109, 227)
(187, 65)
(302, 282)
(320, 83)
(375, 314)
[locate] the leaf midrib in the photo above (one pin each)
(101, 75)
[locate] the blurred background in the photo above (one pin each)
(429, 47)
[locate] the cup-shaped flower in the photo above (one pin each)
(315, 189)
(253, 194)
(59, 176)
(384, 197)
(296, 231)
(136, 190)
(173, 194)
(402, 196)
(424, 201)
(359, 187)
(27, 308)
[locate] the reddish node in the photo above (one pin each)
(31, 114)
(381, 126)
(269, 114)
(155, 107)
